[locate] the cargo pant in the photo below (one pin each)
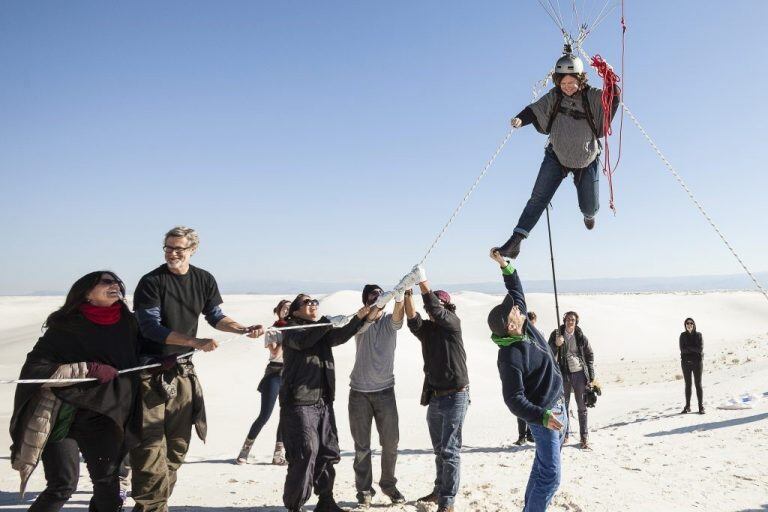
(166, 432)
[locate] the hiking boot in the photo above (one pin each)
(328, 504)
(584, 444)
(701, 410)
(686, 409)
(244, 451)
(529, 437)
(512, 246)
(589, 222)
(429, 498)
(278, 458)
(445, 508)
(364, 498)
(394, 495)
(520, 441)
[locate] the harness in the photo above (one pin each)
(587, 114)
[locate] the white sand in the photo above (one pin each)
(646, 457)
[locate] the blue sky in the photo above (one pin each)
(330, 141)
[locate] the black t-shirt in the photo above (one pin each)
(181, 299)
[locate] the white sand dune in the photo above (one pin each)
(646, 456)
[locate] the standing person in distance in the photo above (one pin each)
(446, 386)
(691, 355)
(168, 302)
(576, 359)
(269, 388)
(306, 402)
(93, 335)
(372, 397)
(531, 384)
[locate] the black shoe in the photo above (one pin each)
(701, 410)
(445, 508)
(529, 437)
(512, 246)
(520, 441)
(589, 222)
(686, 409)
(364, 499)
(429, 498)
(395, 495)
(328, 504)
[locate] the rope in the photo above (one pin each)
(691, 196)
(153, 365)
(466, 196)
(610, 89)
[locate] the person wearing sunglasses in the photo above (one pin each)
(168, 302)
(446, 385)
(372, 397)
(93, 335)
(307, 393)
(691, 354)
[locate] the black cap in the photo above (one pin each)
(367, 289)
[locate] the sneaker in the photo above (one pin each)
(686, 409)
(244, 451)
(589, 222)
(278, 458)
(512, 246)
(395, 495)
(429, 498)
(328, 504)
(520, 441)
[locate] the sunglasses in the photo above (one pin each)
(688, 323)
(310, 302)
(109, 282)
(169, 249)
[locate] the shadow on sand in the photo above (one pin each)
(703, 427)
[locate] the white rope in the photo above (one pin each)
(154, 365)
(466, 196)
(693, 198)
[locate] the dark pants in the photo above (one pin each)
(100, 441)
(380, 407)
(551, 174)
(578, 383)
(269, 389)
(445, 418)
(311, 449)
(692, 367)
(522, 428)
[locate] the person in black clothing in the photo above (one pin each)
(691, 353)
(523, 430)
(576, 359)
(93, 335)
(306, 402)
(531, 384)
(446, 386)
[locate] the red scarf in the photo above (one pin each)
(102, 315)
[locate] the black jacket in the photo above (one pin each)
(691, 346)
(585, 352)
(308, 366)
(445, 362)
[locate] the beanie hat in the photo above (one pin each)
(367, 289)
(443, 296)
(498, 320)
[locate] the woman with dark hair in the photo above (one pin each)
(571, 114)
(93, 335)
(691, 354)
(269, 387)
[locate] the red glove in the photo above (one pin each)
(102, 372)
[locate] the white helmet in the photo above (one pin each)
(569, 64)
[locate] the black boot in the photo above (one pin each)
(686, 409)
(701, 410)
(589, 222)
(328, 504)
(520, 440)
(429, 498)
(512, 246)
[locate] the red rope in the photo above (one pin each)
(610, 90)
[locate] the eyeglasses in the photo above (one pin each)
(109, 282)
(310, 302)
(169, 249)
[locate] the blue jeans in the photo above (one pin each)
(269, 389)
(545, 473)
(551, 174)
(445, 418)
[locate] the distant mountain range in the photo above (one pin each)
(597, 285)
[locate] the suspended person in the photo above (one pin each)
(576, 359)
(523, 430)
(571, 114)
(531, 384)
(269, 387)
(691, 354)
(306, 403)
(446, 386)
(168, 302)
(372, 397)
(93, 335)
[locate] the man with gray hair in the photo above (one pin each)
(168, 302)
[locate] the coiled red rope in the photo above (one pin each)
(611, 93)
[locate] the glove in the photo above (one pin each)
(400, 295)
(101, 372)
(383, 299)
(338, 321)
(412, 278)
